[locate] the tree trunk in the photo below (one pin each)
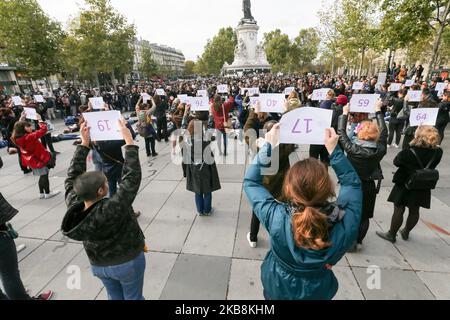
(362, 62)
(97, 83)
(437, 42)
(113, 78)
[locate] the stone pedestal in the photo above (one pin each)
(248, 55)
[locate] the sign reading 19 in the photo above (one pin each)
(103, 125)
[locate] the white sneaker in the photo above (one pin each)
(51, 194)
(20, 248)
(396, 146)
(388, 145)
(41, 196)
(251, 243)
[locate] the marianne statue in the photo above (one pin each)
(247, 7)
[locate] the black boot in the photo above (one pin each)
(405, 234)
(387, 236)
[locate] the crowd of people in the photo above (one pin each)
(309, 232)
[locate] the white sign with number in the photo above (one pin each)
(198, 103)
(288, 90)
(97, 103)
(409, 83)
(415, 95)
(202, 93)
(272, 102)
(358, 85)
(39, 98)
(104, 126)
(223, 88)
(364, 103)
(17, 100)
(305, 126)
(145, 97)
(382, 76)
(395, 87)
(30, 113)
(440, 88)
(183, 98)
(319, 94)
(251, 91)
(160, 92)
(254, 101)
(423, 116)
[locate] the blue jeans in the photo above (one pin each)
(114, 175)
(203, 202)
(124, 281)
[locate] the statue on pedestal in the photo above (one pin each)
(247, 8)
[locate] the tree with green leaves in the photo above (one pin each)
(217, 51)
(329, 35)
(102, 40)
(29, 38)
(189, 67)
(304, 49)
(148, 67)
(356, 25)
(278, 48)
(421, 18)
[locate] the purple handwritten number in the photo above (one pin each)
(308, 130)
(296, 128)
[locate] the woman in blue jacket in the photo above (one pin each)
(308, 234)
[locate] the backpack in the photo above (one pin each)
(424, 178)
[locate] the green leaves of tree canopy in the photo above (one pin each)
(29, 38)
(217, 51)
(148, 67)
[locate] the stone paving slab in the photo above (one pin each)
(198, 278)
(438, 283)
(395, 285)
(245, 280)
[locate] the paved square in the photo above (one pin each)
(208, 257)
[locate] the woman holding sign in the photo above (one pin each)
(411, 190)
(33, 153)
(308, 234)
(220, 112)
(365, 153)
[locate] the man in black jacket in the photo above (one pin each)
(443, 115)
(111, 235)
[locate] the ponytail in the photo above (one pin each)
(310, 229)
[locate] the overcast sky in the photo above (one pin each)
(187, 24)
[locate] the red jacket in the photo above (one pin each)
(33, 153)
(218, 115)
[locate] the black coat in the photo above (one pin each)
(109, 230)
(365, 160)
(443, 115)
(201, 173)
(407, 164)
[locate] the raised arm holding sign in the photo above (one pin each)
(305, 126)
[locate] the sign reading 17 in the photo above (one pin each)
(307, 124)
(363, 103)
(103, 125)
(421, 116)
